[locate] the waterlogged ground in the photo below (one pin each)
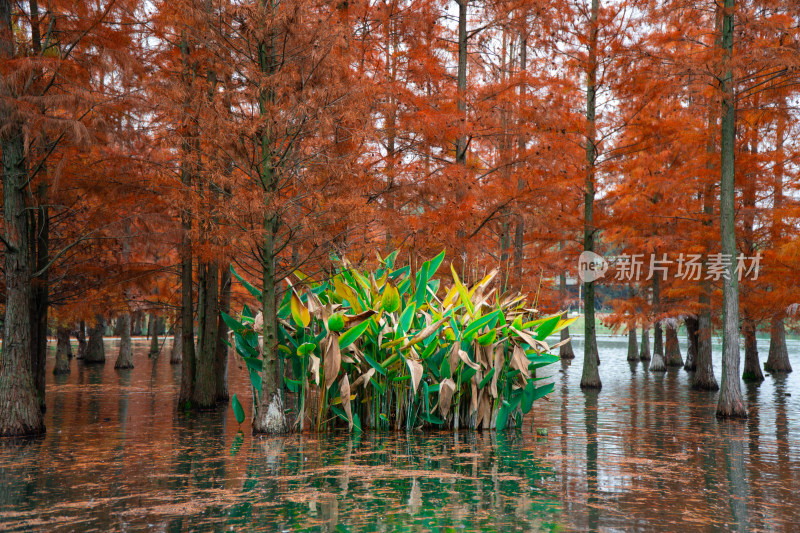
(644, 454)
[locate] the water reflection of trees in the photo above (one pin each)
(385, 482)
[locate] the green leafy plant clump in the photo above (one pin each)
(388, 350)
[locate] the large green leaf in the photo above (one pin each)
(351, 335)
(255, 292)
(405, 320)
(238, 410)
(232, 323)
(547, 327)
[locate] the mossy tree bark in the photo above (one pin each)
(125, 357)
(590, 378)
(63, 350)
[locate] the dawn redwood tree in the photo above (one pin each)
(590, 378)
(20, 413)
(731, 403)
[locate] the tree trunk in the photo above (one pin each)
(658, 362)
(692, 327)
(205, 384)
(644, 351)
(95, 351)
(81, 336)
(177, 344)
(136, 327)
(590, 379)
(187, 308)
(633, 345)
(752, 367)
(156, 330)
(62, 351)
(703, 378)
(672, 347)
(20, 413)
(778, 358)
(221, 358)
(730, 402)
(565, 351)
(125, 357)
(268, 415)
(461, 141)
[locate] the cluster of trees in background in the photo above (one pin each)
(149, 146)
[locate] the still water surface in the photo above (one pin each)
(646, 453)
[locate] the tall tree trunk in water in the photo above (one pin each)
(590, 379)
(187, 306)
(62, 351)
(519, 227)
(778, 358)
(268, 416)
(158, 329)
(81, 336)
(40, 289)
(565, 351)
(633, 345)
(152, 332)
(39, 249)
(657, 363)
(692, 327)
(752, 368)
(136, 326)
(95, 351)
(672, 347)
(644, 351)
(221, 356)
(703, 378)
(205, 385)
(125, 357)
(730, 402)
(20, 413)
(177, 344)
